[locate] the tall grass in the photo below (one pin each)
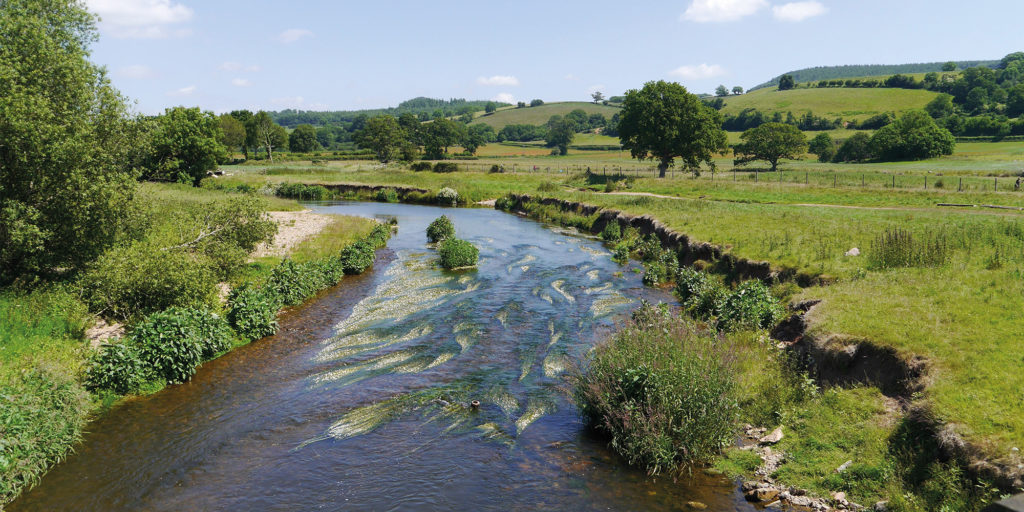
(662, 390)
(900, 248)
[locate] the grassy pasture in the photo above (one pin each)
(830, 102)
(540, 114)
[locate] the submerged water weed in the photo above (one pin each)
(661, 390)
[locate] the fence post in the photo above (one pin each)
(893, 181)
(926, 182)
(807, 180)
(755, 175)
(960, 187)
(780, 176)
(995, 184)
(835, 179)
(861, 180)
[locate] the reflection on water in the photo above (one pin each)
(363, 401)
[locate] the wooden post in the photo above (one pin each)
(893, 181)
(995, 184)
(835, 179)
(926, 182)
(862, 180)
(755, 175)
(960, 187)
(807, 180)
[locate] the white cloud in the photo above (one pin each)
(240, 82)
(798, 11)
(503, 80)
(706, 11)
(297, 103)
(293, 34)
(504, 97)
(141, 19)
(136, 72)
(184, 91)
(237, 66)
(698, 72)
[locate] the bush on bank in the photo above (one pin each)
(661, 390)
(456, 253)
(440, 229)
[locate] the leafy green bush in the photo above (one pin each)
(506, 203)
(649, 248)
(661, 390)
(662, 269)
(252, 311)
(457, 253)
(169, 345)
(441, 229)
(420, 166)
(750, 306)
(547, 186)
(303, 191)
(117, 366)
(447, 196)
(387, 195)
(357, 257)
(378, 236)
(612, 186)
(143, 278)
(702, 296)
(445, 167)
(497, 169)
(612, 232)
(620, 253)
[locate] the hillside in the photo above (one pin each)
(540, 115)
(830, 102)
(872, 70)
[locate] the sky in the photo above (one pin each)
(344, 55)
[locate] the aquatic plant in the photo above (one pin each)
(441, 229)
(171, 343)
(456, 253)
(612, 232)
(387, 195)
(357, 257)
(252, 311)
(117, 366)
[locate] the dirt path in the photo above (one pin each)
(292, 229)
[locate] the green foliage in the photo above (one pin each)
(302, 191)
(506, 203)
(357, 257)
(169, 345)
(41, 418)
(69, 151)
(420, 166)
(232, 132)
(456, 253)
(612, 232)
(386, 195)
(900, 248)
(378, 236)
(439, 135)
(184, 146)
(141, 278)
(750, 306)
(547, 186)
(383, 135)
(303, 139)
(770, 142)
(445, 167)
(447, 196)
(262, 131)
(252, 311)
(661, 390)
(914, 136)
(786, 82)
(663, 122)
(660, 267)
(823, 146)
(560, 134)
(855, 149)
(117, 366)
(440, 229)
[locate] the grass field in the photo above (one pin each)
(849, 104)
(540, 114)
(957, 313)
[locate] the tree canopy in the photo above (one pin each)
(185, 145)
(913, 136)
(303, 139)
(383, 135)
(662, 121)
(67, 147)
(771, 142)
(561, 131)
(786, 82)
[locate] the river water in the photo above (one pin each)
(361, 401)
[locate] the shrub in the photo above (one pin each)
(446, 167)
(144, 278)
(387, 195)
(441, 229)
(612, 186)
(303, 191)
(751, 306)
(506, 203)
(662, 269)
(612, 232)
(292, 282)
(379, 235)
(169, 345)
(703, 296)
(497, 169)
(661, 390)
(547, 186)
(620, 253)
(357, 257)
(457, 253)
(447, 196)
(252, 311)
(420, 166)
(117, 366)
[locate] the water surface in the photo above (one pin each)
(362, 400)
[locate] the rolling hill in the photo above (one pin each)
(873, 70)
(847, 103)
(540, 114)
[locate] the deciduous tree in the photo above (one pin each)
(786, 82)
(771, 142)
(383, 135)
(561, 131)
(662, 121)
(913, 136)
(303, 139)
(185, 146)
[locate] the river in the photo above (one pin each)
(361, 401)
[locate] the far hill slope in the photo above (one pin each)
(849, 104)
(540, 115)
(852, 71)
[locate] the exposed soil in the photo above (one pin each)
(292, 229)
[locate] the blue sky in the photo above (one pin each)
(335, 55)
